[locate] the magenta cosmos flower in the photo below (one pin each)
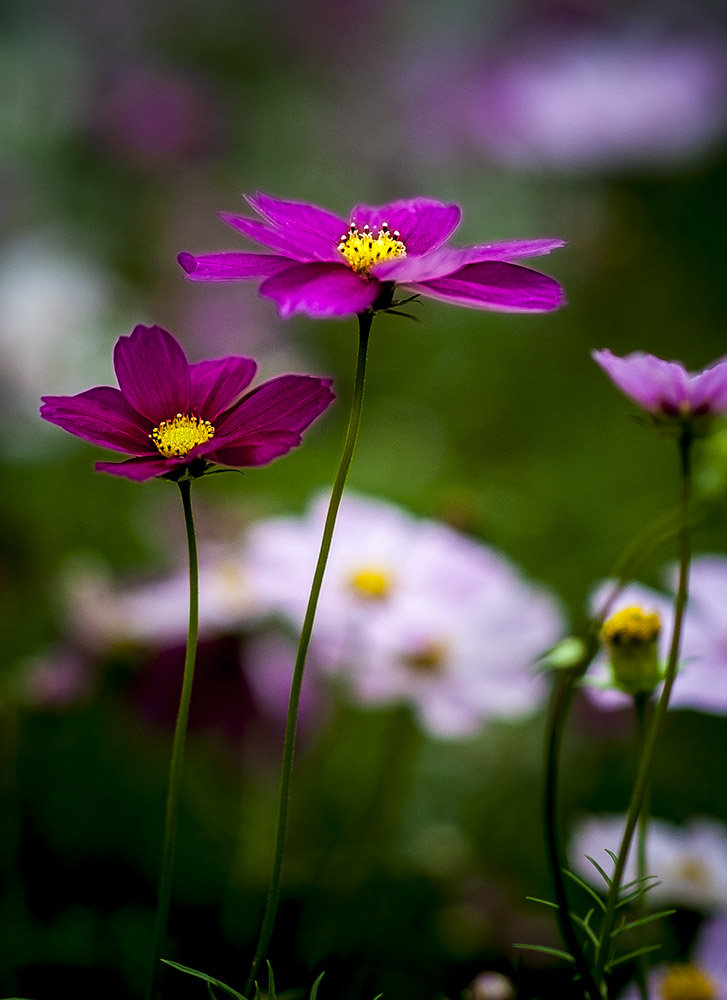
(666, 390)
(324, 265)
(174, 417)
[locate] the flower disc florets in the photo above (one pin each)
(174, 438)
(687, 982)
(362, 249)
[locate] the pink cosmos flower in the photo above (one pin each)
(174, 417)
(665, 389)
(324, 265)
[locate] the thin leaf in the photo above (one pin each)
(212, 994)
(600, 870)
(592, 937)
(650, 919)
(314, 987)
(208, 979)
(543, 902)
(271, 983)
(547, 951)
(586, 888)
(632, 896)
(611, 855)
(633, 954)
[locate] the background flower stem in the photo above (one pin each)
(271, 904)
(638, 794)
(180, 732)
(641, 711)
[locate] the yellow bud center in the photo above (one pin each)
(687, 982)
(371, 582)
(632, 626)
(428, 659)
(175, 437)
(362, 249)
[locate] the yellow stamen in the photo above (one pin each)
(687, 982)
(175, 437)
(362, 249)
(372, 583)
(631, 626)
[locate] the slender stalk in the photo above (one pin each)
(638, 794)
(557, 716)
(641, 711)
(271, 905)
(180, 732)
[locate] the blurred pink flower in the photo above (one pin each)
(591, 100)
(410, 610)
(690, 861)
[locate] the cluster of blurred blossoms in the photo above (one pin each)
(411, 611)
(691, 862)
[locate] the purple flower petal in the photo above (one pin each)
(140, 469)
(297, 245)
(217, 384)
(286, 403)
(446, 260)
(320, 290)
(153, 372)
(709, 388)
(231, 266)
(256, 452)
(101, 416)
(318, 227)
(652, 383)
(423, 224)
(496, 285)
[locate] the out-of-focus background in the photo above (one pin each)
(124, 129)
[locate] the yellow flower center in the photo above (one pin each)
(174, 438)
(371, 582)
(428, 659)
(632, 626)
(687, 982)
(362, 249)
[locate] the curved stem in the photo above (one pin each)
(559, 706)
(638, 794)
(180, 732)
(271, 905)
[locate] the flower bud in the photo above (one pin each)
(630, 637)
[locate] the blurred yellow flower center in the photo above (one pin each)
(631, 626)
(428, 659)
(687, 982)
(362, 249)
(371, 582)
(174, 438)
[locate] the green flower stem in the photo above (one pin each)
(641, 783)
(558, 713)
(641, 711)
(180, 733)
(271, 905)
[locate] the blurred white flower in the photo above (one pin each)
(703, 977)
(410, 610)
(690, 861)
(58, 317)
(103, 614)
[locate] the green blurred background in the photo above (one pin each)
(124, 128)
